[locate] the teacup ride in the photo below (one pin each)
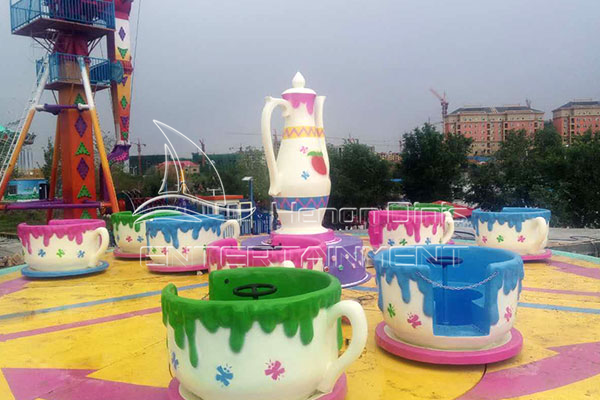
(63, 248)
(300, 183)
(264, 334)
(449, 304)
(285, 251)
(129, 231)
(389, 228)
(523, 230)
(179, 243)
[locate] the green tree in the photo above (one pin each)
(249, 162)
(123, 180)
(515, 164)
(252, 163)
(541, 172)
(581, 195)
(48, 151)
(359, 177)
(547, 165)
(433, 164)
(486, 186)
(151, 183)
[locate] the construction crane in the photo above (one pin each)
(203, 147)
(443, 102)
(139, 149)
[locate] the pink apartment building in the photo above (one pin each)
(576, 117)
(487, 126)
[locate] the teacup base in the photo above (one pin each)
(448, 357)
(364, 279)
(32, 273)
(546, 254)
(338, 393)
(181, 268)
(129, 256)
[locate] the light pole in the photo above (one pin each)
(250, 181)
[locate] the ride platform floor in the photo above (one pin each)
(101, 337)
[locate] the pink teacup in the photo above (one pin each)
(409, 227)
(63, 245)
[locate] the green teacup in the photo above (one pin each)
(130, 230)
(424, 207)
(266, 333)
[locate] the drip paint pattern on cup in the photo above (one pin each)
(296, 317)
(519, 229)
(63, 245)
(130, 230)
(513, 216)
(72, 230)
(170, 227)
(413, 221)
(183, 240)
(462, 305)
(256, 344)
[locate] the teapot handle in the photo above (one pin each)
(270, 105)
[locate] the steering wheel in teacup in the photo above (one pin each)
(255, 293)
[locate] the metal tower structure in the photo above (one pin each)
(68, 30)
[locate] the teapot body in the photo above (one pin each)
(300, 183)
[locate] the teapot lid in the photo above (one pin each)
(298, 83)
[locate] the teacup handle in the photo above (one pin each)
(448, 228)
(542, 227)
(235, 225)
(355, 313)
(103, 234)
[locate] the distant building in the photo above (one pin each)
(220, 160)
(487, 126)
(26, 189)
(390, 156)
(576, 117)
(188, 167)
(154, 160)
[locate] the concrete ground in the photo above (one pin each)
(10, 252)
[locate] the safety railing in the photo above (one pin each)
(98, 13)
(65, 68)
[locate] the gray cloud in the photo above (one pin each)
(204, 67)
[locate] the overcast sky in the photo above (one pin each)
(204, 67)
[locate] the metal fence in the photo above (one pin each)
(65, 68)
(255, 224)
(93, 12)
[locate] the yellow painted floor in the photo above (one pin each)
(101, 337)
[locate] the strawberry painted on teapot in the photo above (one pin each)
(299, 176)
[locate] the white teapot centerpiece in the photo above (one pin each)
(299, 177)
